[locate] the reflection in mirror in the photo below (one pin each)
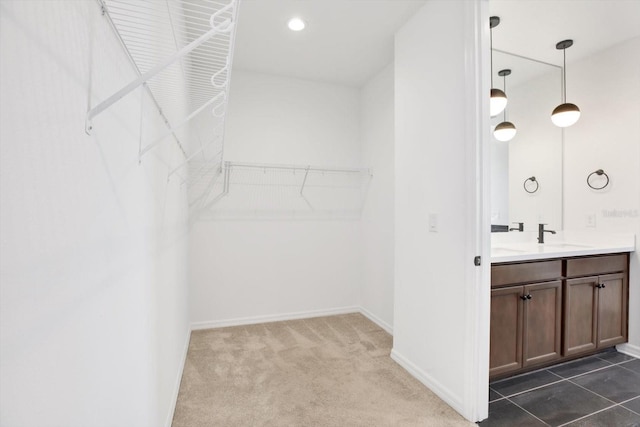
(533, 90)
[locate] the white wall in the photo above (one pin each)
(254, 270)
(606, 87)
(377, 134)
(275, 119)
(94, 316)
(439, 93)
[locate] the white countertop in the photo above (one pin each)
(515, 246)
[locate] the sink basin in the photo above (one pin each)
(506, 251)
(565, 246)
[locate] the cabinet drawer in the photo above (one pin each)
(596, 265)
(525, 272)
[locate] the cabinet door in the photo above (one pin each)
(580, 315)
(542, 326)
(612, 310)
(506, 330)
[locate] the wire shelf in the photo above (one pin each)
(186, 46)
(178, 47)
(246, 190)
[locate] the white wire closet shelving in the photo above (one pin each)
(233, 190)
(182, 51)
(178, 47)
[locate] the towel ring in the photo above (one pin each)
(532, 179)
(599, 172)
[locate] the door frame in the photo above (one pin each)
(478, 162)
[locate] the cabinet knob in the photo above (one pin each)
(600, 286)
(525, 297)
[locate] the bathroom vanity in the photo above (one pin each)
(555, 302)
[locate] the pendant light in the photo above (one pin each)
(504, 131)
(565, 114)
(498, 100)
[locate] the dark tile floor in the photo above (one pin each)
(602, 390)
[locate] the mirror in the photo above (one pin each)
(526, 172)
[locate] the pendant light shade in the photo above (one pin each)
(504, 131)
(565, 114)
(498, 100)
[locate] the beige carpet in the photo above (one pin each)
(325, 371)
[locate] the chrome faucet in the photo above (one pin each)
(541, 232)
(520, 227)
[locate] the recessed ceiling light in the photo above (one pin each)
(296, 24)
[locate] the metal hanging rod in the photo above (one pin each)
(306, 168)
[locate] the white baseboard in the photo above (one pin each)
(630, 349)
(378, 321)
(272, 318)
(169, 420)
(430, 382)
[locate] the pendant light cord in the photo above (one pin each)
(564, 75)
(504, 85)
(491, 46)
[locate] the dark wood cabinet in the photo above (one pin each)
(505, 349)
(612, 310)
(580, 324)
(595, 313)
(547, 311)
(525, 326)
(542, 326)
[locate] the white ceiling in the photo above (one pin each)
(349, 41)
(533, 27)
(345, 42)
